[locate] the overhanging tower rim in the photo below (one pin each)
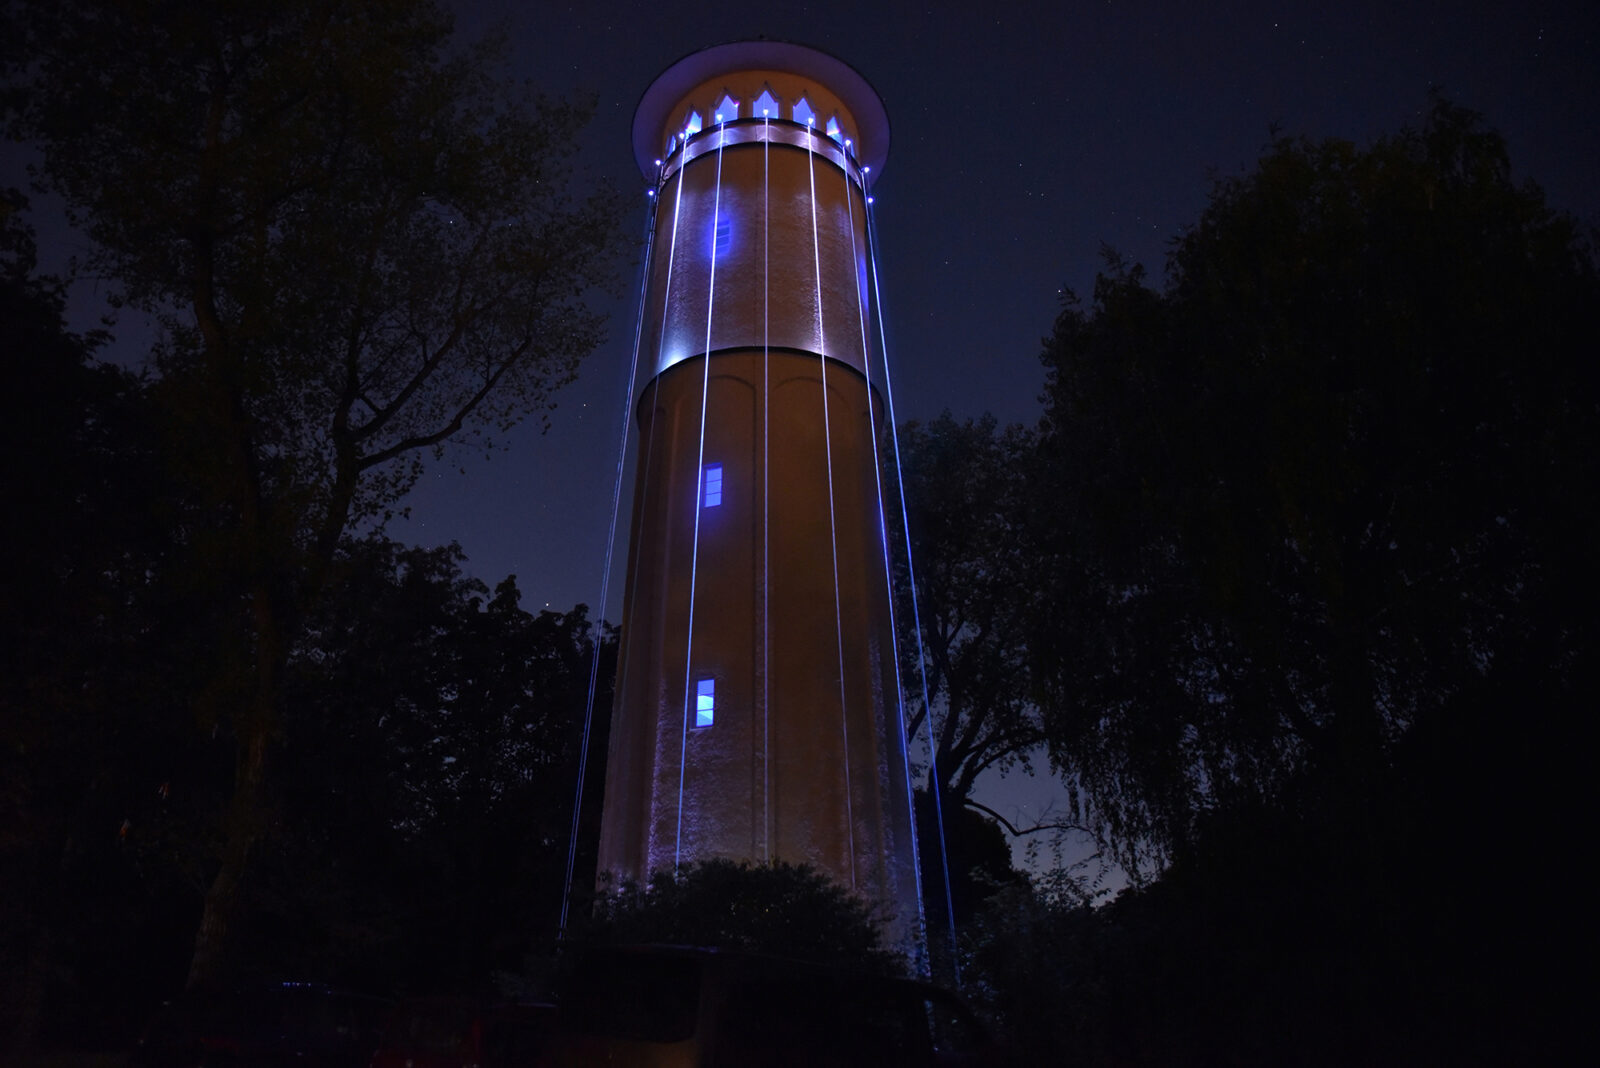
(683, 76)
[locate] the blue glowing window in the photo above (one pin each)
(724, 235)
(691, 127)
(705, 702)
(713, 485)
(766, 105)
(834, 130)
(803, 112)
(727, 109)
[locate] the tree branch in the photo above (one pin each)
(1018, 832)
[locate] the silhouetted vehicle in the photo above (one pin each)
(649, 1006)
(306, 1025)
(449, 1032)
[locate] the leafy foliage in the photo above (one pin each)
(92, 698)
(779, 909)
(965, 487)
(361, 246)
(1324, 482)
(430, 757)
(374, 243)
(1323, 928)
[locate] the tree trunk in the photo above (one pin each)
(243, 831)
(247, 811)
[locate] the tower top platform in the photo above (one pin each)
(830, 74)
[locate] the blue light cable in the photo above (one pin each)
(694, 557)
(605, 576)
(766, 489)
(916, 613)
(827, 439)
(888, 574)
(649, 443)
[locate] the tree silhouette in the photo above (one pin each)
(89, 705)
(1322, 485)
(360, 247)
(778, 909)
(965, 488)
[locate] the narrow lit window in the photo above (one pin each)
(727, 109)
(713, 491)
(691, 127)
(767, 105)
(834, 130)
(803, 112)
(705, 702)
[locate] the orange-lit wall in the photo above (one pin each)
(805, 761)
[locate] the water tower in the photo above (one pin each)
(757, 710)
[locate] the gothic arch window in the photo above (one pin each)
(803, 112)
(766, 104)
(691, 127)
(834, 130)
(727, 110)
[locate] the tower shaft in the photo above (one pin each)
(757, 712)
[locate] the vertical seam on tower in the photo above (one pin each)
(827, 440)
(699, 475)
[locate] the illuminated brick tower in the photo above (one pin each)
(757, 712)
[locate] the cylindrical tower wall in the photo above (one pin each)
(779, 208)
(757, 339)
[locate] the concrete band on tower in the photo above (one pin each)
(757, 712)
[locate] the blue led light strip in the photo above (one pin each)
(605, 574)
(766, 505)
(699, 468)
(827, 440)
(649, 452)
(888, 575)
(916, 613)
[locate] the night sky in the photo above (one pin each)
(1024, 137)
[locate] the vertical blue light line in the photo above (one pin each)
(766, 492)
(916, 612)
(605, 574)
(827, 440)
(888, 573)
(649, 453)
(699, 475)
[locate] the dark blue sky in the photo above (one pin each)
(1024, 135)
